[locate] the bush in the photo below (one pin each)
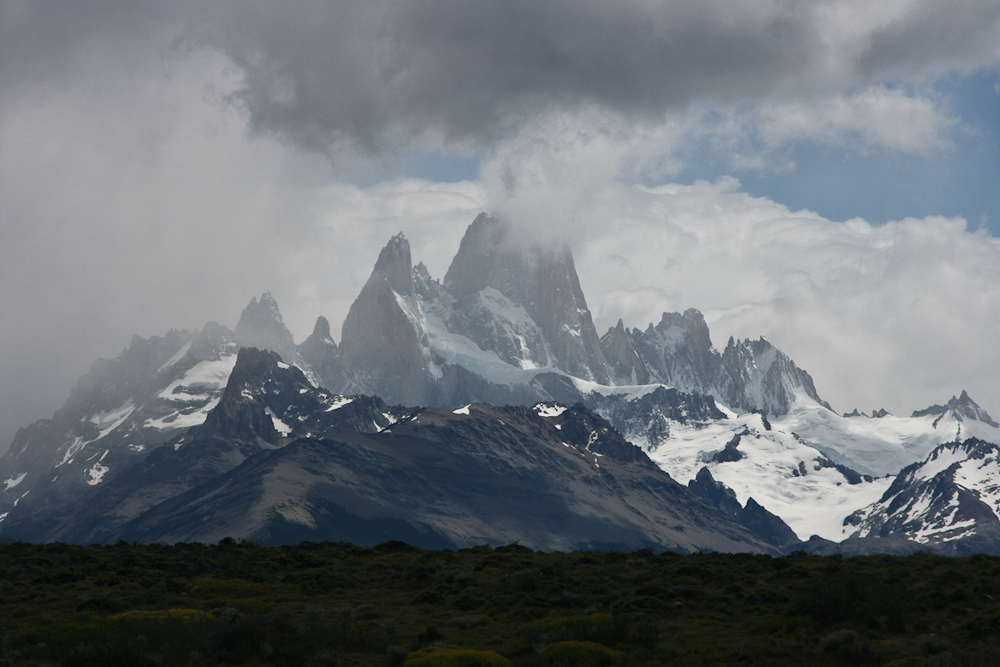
(434, 656)
(579, 654)
(837, 640)
(431, 634)
(396, 655)
(160, 614)
(99, 656)
(933, 645)
(598, 628)
(471, 598)
(428, 597)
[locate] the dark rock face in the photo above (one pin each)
(497, 324)
(381, 349)
(768, 527)
(626, 367)
(680, 348)
(493, 475)
(962, 407)
(730, 453)
(747, 376)
(852, 476)
(716, 493)
(320, 352)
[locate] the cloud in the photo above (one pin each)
(131, 203)
(384, 76)
(892, 316)
(876, 116)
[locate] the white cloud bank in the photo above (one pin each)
(875, 116)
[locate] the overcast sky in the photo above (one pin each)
(825, 174)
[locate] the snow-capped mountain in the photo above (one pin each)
(264, 404)
(503, 317)
(678, 352)
(262, 326)
(125, 408)
(494, 275)
(882, 445)
(747, 453)
(115, 415)
(808, 466)
(949, 501)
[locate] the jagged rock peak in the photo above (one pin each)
(491, 255)
(261, 326)
(622, 357)
(241, 413)
(395, 264)
(322, 329)
(715, 492)
(542, 280)
(381, 342)
(260, 312)
(320, 352)
(259, 316)
(691, 325)
(961, 406)
(425, 286)
(213, 341)
(477, 252)
(876, 414)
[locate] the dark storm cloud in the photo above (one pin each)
(40, 40)
(936, 36)
(381, 75)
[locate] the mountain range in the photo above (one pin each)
(485, 408)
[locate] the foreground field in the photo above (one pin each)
(337, 604)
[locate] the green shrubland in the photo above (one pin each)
(327, 604)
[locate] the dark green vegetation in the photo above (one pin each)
(239, 603)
